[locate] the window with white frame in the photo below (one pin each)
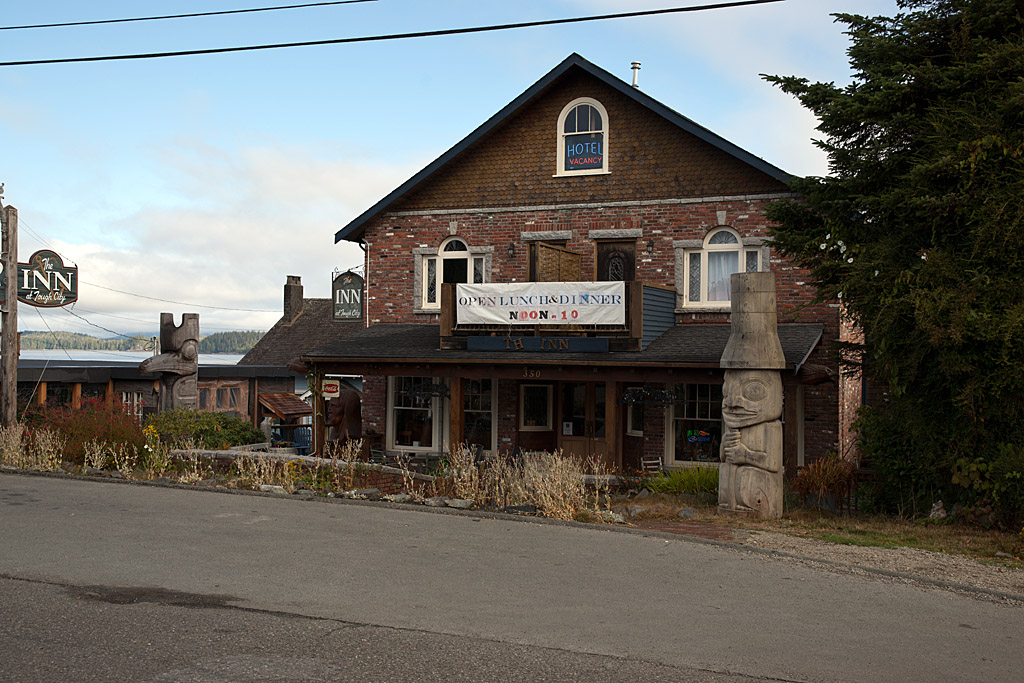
(453, 262)
(133, 402)
(706, 269)
(535, 407)
(695, 421)
(582, 138)
(478, 401)
(414, 409)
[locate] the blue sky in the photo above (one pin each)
(208, 179)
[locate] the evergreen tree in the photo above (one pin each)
(918, 229)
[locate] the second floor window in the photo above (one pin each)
(707, 271)
(455, 263)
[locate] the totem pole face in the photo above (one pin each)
(751, 397)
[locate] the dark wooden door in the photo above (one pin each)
(616, 261)
(584, 421)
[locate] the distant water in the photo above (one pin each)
(57, 355)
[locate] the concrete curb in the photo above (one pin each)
(501, 516)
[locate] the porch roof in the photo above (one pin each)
(691, 345)
(285, 406)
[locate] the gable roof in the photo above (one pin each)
(352, 231)
(311, 329)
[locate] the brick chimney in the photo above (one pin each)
(292, 298)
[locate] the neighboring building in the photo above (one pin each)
(585, 181)
(306, 324)
(222, 388)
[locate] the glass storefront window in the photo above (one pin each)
(696, 419)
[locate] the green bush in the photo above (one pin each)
(184, 426)
(94, 421)
(697, 480)
(1006, 476)
(911, 478)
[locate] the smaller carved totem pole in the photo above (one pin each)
(178, 364)
(750, 476)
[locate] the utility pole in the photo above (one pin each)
(9, 338)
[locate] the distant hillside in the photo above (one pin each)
(229, 342)
(74, 340)
(219, 342)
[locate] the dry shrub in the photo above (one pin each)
(554, 483)
(42, 449)
(257, 469)
(826, 481)
(97, 454)
(193, 467)
(14, 446)
(344, 463)
(126, 459)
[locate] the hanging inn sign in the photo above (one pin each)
(347, 293)
(44, 281)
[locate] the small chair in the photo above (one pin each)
(650, 464)
(303, 437)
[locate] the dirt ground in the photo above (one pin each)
(943, 570)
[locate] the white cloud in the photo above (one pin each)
(233, 226)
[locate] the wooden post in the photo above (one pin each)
(76, 395)
(9, 338)
(456, 415)
(319, 414)
(41, 394)
(612, 455)
(109, 397)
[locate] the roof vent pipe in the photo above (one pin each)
(635, 66)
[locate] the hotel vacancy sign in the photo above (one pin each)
(44, 281)
(347, 294)
(541, 303)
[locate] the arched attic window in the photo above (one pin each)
(582, 138)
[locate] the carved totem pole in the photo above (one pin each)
(750, 476)
(178, 364)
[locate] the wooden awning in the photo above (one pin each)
(285, 406)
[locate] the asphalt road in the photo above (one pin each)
(107, 581)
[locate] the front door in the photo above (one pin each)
(616, 261)
(583, 420)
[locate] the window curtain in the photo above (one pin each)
(721, 265)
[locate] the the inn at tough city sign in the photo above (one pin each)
(44, 281)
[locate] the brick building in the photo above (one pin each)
(559, 279)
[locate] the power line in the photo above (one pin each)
(55, 338)
(182, 16)
(394, 36)
(149, 344)
(179, 303)
(41, 240)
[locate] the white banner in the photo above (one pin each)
(541, 303)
